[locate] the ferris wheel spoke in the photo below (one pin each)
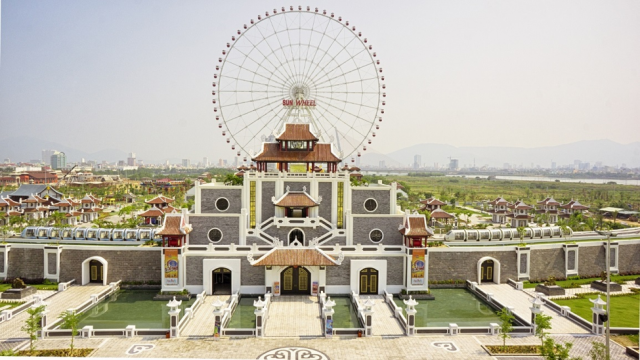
(346, 83)
(266, 123)
(349, 102)
(349, 72)
(246, 113)
(324, 33)
(289, 75)
(247, 81)
(346, 92)
(325, 54)
(241, 67)
(334, 57)
(280, 68)
(253, 100)
(339, 118)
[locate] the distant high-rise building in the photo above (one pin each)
(58, 160)
(553, 165)
(382, 164)
(453, 164)
(186, 163)
(131, 160)
(46, 156)
(121, 163)
(417, 161)
(205, 162)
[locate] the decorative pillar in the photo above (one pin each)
(327, 313)
(174, 317)
(217, 317)
(535, 310)
(368, 316)
(411, 315)
(259, 312)
(599, 316)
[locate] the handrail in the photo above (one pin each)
(188, 312)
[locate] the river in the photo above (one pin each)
(553, 179)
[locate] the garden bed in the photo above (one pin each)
(417, 296)
(602, 286)
(624, 309)
(56, 352)
(576, 281)
(550, 290)
(512, 350)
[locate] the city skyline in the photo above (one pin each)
(126, 76)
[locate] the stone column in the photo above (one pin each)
(599, 316)
(411, 315)
(174, 317)
(535, 311)
(368, 317)
(260, 316)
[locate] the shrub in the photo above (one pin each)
(18, 284)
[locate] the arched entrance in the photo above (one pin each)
(486, 271)
(295, 280)
(296, 235)
(221, 281)
(369, 281)
(96, 271)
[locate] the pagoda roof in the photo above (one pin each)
(440, 214)
(520, 205)
(296, 199)
(174, 224)
(153, 212)
(160, 199)
(34, 199)
(8, 202)
(575, 205)
(295, 257)
(433, 201)
(548, 201)
(499, 201)
(415, 225)
(90, 199)
(299, 132)
(271, 152)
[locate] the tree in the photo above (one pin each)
(58, 218)
(70, 320)
(598, 351)
(554, 351)
(543, 322)
(231, 179)
(33, 324)
(506, 325)
(521, 232)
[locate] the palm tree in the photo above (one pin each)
(70, 320)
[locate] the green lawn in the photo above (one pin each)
(567, 283)
(11, 304)
(624, 309)
(4, 287)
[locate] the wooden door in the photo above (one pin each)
(96, 269)
(487, 271)
(295, 280)
(369, 281)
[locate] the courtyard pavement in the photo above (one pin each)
(61, 301)
(520, 300)
(294, 316)
(374, 348)
(202, 322)
(626, 289)
(384, 321)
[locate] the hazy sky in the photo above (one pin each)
(136, 75)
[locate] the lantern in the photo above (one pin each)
(233, 147)
(220, 125)
(365, 40)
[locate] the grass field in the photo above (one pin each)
(4, 287)
(472, 189)
(624, 309)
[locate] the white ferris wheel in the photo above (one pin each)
(299, 65)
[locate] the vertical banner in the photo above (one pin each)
(417, 267)
(329, 328)
(276, 288)
(314, 288)
(216, 330)
(171, 266)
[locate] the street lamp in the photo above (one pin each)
(608, 234)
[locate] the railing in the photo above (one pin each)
(7, 315)
(65, 285)
(188, 312)
(495, 304)
(228, 312)
(51, 328)
(397, 311)
(282, 174)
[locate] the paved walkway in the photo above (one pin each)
(626, 289)
(509, 296)
(376, 348)
(294, 316)
(203, 320)
(61, 301)
(384, 321)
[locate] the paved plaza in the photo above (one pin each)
(375, 348)
(202, 322)
(294, 316)
(384, 320)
